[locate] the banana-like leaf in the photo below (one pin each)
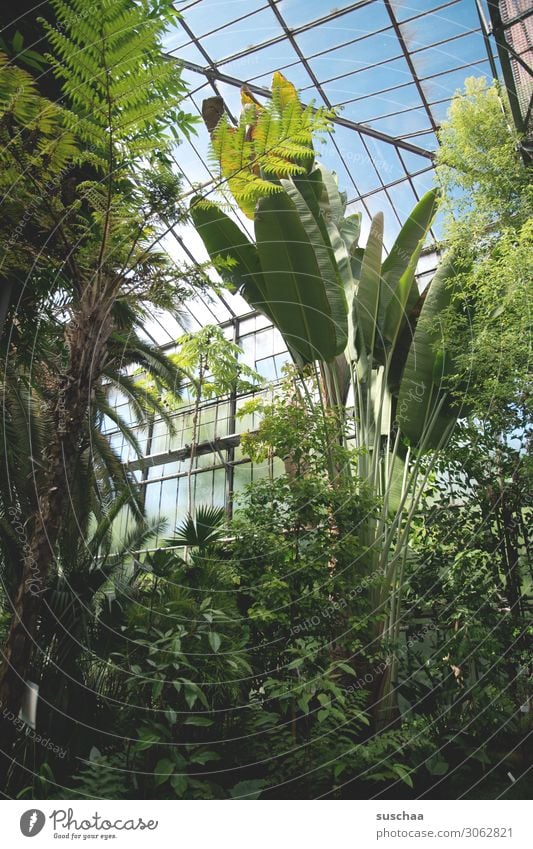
(397, 310)
(400, 292)
(310, 187)
(341, 239)
(421, 389)
(367, 300)
(332, 254)
(402, 346)
(224, 240)
(333, 201)
(306, 307)
(350, 230)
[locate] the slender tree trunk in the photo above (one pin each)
(194, 436)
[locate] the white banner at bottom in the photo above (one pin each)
(267, 824)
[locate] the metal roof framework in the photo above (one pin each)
(397, 63)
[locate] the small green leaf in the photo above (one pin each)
(163, 770)
(436, 765)
(248, 789)
(201, 757)
(303, 702)
(191, 694)
(202, 721)
(179, 784)
(346, 668)
(18, 41)
(403, 772)
(171, 715)
(214, 640)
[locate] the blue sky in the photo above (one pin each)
(358, 60)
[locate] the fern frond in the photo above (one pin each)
(271, 142)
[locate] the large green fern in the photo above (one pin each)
(271, 141)
(88, 186)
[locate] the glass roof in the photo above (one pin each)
(388, 67)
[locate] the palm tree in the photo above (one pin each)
(95, 179)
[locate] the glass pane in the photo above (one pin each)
(219, 488)
(260, 471)
(203, 461)
(267, 368)
(264, 344)
(206, 430)
(242, 475)
(152, 500)
(441, 24)
(222, 422)
(353, 57)
(183, 500)
(247, 345)
(159, 438)
(169, 498)
(259, 27)
(203, 488)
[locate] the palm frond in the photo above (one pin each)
(201, 530)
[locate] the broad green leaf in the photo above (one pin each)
(310, 187)
(203, 757)
(356, 354)
(366, 302)
(401, 293)
(332, 259)
(250, 789)
(350, 230)
(342, 259)
(421, 389)
(224, 240)
(303, 702)
(395, 485)
(293, 284)
(171, 715)
(436, 765)
(332, 200)
(413, 232)
(179, 784)
(346, 668)
(191, 693)
(356, 261)
(396, 312)
(404, 773)
(17, 42)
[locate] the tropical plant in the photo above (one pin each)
(361, 320)
(211, 364)
(235, 674)
(468, 670)
(485, 182)
(93, 178)
(267, 143)
(479, 167)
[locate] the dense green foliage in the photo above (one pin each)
(85, 184)
(354, 627)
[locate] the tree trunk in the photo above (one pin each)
(87, 336)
